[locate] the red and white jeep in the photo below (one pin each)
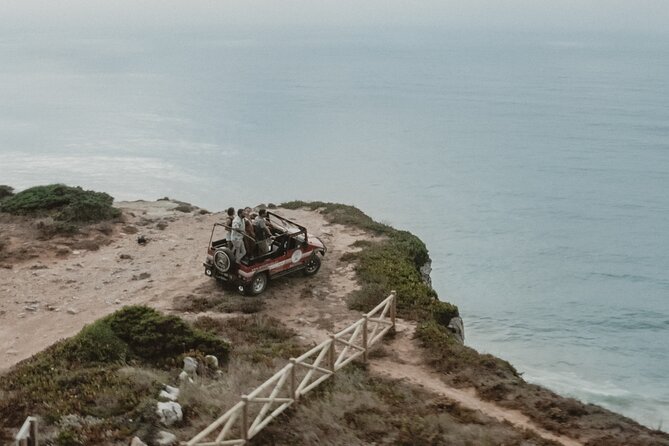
(291, 250)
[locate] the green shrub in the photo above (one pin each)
(154, 337)
(443, 312)
(67, 437)
(84, 375)
(63, 203)
(6, 191)
(96, 343)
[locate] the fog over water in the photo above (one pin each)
(531, 155)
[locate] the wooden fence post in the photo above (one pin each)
(33, 431)
(245, 418)
(364, 337)
(393, 307)
(293, 380)
(331, 354)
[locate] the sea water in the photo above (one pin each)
(534, 166)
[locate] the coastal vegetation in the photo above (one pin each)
(62, 207)
(5, 191)
(392, 262)
(102, 384)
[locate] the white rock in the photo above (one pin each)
(183, 376)
(190, 365)
(169, 393)
(212, 361)
(166, 439)
(137, 442)
(72, 311)
(169, 413)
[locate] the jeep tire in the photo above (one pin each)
(223, 260)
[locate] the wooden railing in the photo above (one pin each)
(301, 375)
(27, 435)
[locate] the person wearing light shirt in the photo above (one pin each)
(237, 235)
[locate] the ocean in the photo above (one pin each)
(534, 165)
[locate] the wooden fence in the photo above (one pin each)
(27, 435)
(301, 375)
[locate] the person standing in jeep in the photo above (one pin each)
(228, 224)
(237, 235)
(262, 232)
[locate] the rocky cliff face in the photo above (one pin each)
(425, 271)
(456, 325)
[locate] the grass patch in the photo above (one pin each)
(257, 338)
(224, 303)
(62, 203)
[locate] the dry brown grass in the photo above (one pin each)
(231, 302)
(354, 409)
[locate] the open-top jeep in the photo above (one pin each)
(291, 250)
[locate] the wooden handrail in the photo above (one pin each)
(299, 377)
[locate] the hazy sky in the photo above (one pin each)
(565, 15)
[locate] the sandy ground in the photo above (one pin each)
(44, 300)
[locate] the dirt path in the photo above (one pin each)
(49, 299)
(405, 364)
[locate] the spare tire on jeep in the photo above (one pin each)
(223, 259)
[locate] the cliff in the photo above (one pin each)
(421, 387)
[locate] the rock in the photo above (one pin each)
(137, 442)
(169, 413)
(164, 438)
(425, 271)
(125, 257)
(190, 365)
(141, 276)
(72, 311)
(212, 361)
(183, 376)
(169, 393)
(457, 327)
(130, 229)
(30, 307)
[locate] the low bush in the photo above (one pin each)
(156, 338)
(63, 203)
(6, 191)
